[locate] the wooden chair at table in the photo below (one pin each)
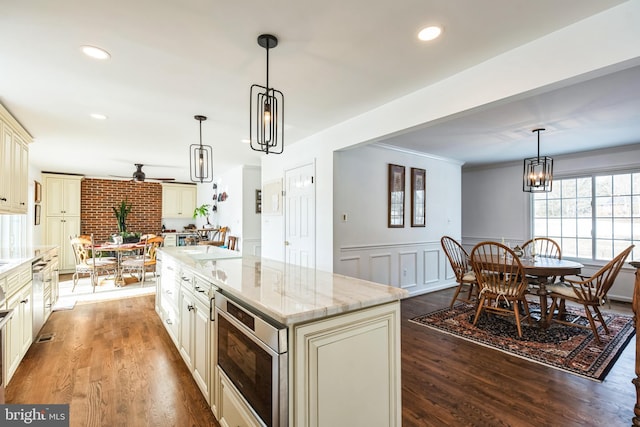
(232, 242)
(501, 280)
(459, 260)
(219, 238)
(146, 262)
(86, 264)
(546, 248)
(590, 292)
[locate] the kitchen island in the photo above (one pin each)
(342, 337)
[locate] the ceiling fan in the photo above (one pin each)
(140, 176)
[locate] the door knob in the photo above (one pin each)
(286, 243)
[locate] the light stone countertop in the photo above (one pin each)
(12, 258)
(289, 294)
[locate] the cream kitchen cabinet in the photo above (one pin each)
(14, 162)
(61, 214)
(178, 200)
(18, 331)
(167, 290)
(195, 329)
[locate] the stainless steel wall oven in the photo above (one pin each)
(252, 352)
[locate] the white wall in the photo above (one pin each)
(560, 58)
(494, 205)
(365, 247)
(238, 211)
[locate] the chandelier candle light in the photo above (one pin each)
(538, 171)
(266, 123)
(201, 158)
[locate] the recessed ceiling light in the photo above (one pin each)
(98, 116)
(95, 52)
(430, 33)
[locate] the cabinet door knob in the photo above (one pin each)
(190, 307)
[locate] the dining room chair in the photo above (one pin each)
(232, 242)
(544, 247)
(145, 262)
(465, 277)
(590, 292)
(86, 264)
(218, 239)
(501, 281)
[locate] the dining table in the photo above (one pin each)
(542, 269)
(119, 249)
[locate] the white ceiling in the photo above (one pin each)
(171, 60)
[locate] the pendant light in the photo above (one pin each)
(266, 122)
(201, 159)
(538, 171)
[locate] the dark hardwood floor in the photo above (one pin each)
(116, 366)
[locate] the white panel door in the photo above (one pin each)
(300, 216)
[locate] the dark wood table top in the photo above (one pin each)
(550, 266)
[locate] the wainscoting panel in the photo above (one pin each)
(408, 269)
(380, 268)
(432, 266)
(418, 267)
(350, 266)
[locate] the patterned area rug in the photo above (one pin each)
(567, 348)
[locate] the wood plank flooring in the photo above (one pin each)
(116, 366)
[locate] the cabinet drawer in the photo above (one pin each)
(233, 409)
(18, 279)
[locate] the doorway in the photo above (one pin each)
(300, 216)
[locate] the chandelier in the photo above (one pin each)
(538, 171)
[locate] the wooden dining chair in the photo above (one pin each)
(232, 242)
(589, 292)
(502, 282)
(146, 262)
(83, 249)
(219, 239)
(459, 260)
(544, 247)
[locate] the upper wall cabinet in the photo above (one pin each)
(14, 162)
(178, 200)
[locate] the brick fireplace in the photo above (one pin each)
(99, 196)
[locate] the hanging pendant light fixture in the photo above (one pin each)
(201, 159)
(538, 171)
(266, 122)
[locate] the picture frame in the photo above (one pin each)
(37, 192)
(258, 201)
(418, 197)
(36, 214)
(396, 196)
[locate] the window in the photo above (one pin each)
(592, 217)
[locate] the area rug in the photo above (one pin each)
(106, 290)
(568, 348)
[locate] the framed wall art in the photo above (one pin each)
(37, 192)
(396, 196)
(36, 215)
(418, 197)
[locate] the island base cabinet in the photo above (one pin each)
(233, 411)
(346, 370)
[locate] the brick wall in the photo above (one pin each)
(99, 196)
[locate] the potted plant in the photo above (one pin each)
(202, 210)
(121, 213)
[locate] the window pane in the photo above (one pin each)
(569, 207)
(584, 187)
(569, 248)
(603, 206)
(584, 248)
(604, 228)
(622, 228)
(540, 227)
(584, 228)
(554, 227)
(622, 184)
(604, 249)
(603, 185)
(622, 206)
(583, 207)
(568, 188)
